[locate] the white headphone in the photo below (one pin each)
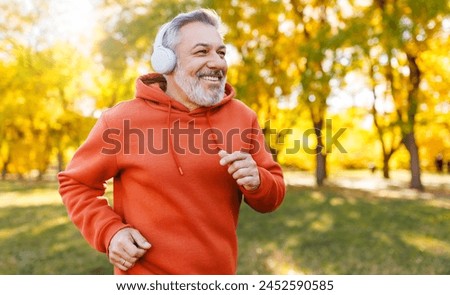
(163, 59)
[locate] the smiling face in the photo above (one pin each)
(200, 75)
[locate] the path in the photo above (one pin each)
(437, 186)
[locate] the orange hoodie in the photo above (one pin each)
(168, 182)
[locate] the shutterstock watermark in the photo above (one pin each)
(308, 139)
(191, 139)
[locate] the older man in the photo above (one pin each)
(183, 154)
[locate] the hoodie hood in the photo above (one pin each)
(152, 87)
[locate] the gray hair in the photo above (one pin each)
(207, 16)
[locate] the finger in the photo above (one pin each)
(246, 177)
(118, 262)
(247, 163)
(132, 252)
(225, 158)
(222, 153)
(237, 165)
(134, 245)
(131, 260)
(124, 265)
(140, 240)
(249, 183)
(246, 180)
(237, 173)
(116, 254)
(123, 250)
(230, 158)
(119, 256)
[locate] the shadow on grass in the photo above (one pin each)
(340, 231)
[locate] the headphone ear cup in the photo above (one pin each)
(163, 60)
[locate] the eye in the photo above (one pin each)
(201, 52)
(222, 53)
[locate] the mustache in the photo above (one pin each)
(216, 73)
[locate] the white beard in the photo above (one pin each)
(196, 93)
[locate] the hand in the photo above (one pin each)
(242, 167)
(126, 247)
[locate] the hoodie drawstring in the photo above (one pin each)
(174, 155)
(208, 119)
(172, 149)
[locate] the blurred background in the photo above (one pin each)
(351, 94)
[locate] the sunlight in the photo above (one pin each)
(76, 16)
(33, 198)
(323, 223)
(48, 224)
(7, 233)
(282, 264)
(68, 20)
(74, 19)
(427, 244)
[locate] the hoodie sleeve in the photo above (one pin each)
(270, 194)
(82, 186)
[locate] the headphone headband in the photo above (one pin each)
(160, 35)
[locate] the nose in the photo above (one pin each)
(217, 62)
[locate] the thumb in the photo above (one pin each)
(222, 153)
(139, 240)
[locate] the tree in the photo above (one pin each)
(384, 119)
(403, 29)
(43, 87)
(287, 49)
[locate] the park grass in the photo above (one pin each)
(330, 230)
(339, 231)
(36, 236)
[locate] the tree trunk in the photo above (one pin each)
(382, 130)
(386, 158)
(60, 161)
(321, 157)
(4, 171)
(410, 144)
(321, 171)
(408, 129)
(5, 167)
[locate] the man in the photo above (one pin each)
(183, 154)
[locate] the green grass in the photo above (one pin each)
(36, 236)
(316, 231)
(339, 231)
